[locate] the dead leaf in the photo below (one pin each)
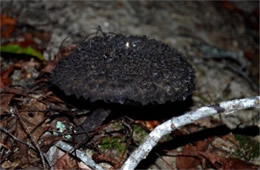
(228, 5)
(48, 141)
(5, 75)
(11, 90)
(150, 125)
(10, 164)
(189, 158)
(23, 149)
(230, 137)
(227, 163)
(49, 67)
(29, 41)
(53, 98)
(33, 116)
(84, 166)
(203, 145)
(98, 158)
(7, 25)
(9, 124)
(64, 52)
(66, 162)
(5, 103)
(5, 79)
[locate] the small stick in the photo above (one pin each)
(17, 139)
(167, 127)
(79, 154)
(42, 155)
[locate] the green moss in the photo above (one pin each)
(139, 133)
(249, 149)
(116, 126)
(113, 143)
(166, 138)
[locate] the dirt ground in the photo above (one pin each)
(219, 39)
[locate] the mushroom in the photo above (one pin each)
(123, 69)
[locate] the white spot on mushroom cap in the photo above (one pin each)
(127, 45)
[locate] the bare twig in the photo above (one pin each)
(17, 139)
(81, 155)
(167, 127)
(42, 155)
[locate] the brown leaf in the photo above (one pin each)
(31, 120)
(49, 67)
(7, 25)
(231, 138)
(23, 149)
(53, 99)
(11, 164)
(28, 39)
(230, 6)
(5, 75)
(227, 163)
(33, 116)
(5, 103)
(64, 52)
(202, 145)
(149, 124)
(189, 158)
(4, 79)
(48, 141)
(66, 162)
(105, 158)
(11, 90)
(10, 125)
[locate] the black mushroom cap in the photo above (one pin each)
(123, 69)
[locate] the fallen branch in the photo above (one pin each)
(176, 122)
(79, 154)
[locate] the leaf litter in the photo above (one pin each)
(30, 110)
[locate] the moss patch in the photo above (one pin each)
(117, 144)
(139, 133)
(249, 149)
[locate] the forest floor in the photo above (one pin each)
(219, 39)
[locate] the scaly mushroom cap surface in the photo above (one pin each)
(117, 68)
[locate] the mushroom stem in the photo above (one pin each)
(167, 127)
(95, 119)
